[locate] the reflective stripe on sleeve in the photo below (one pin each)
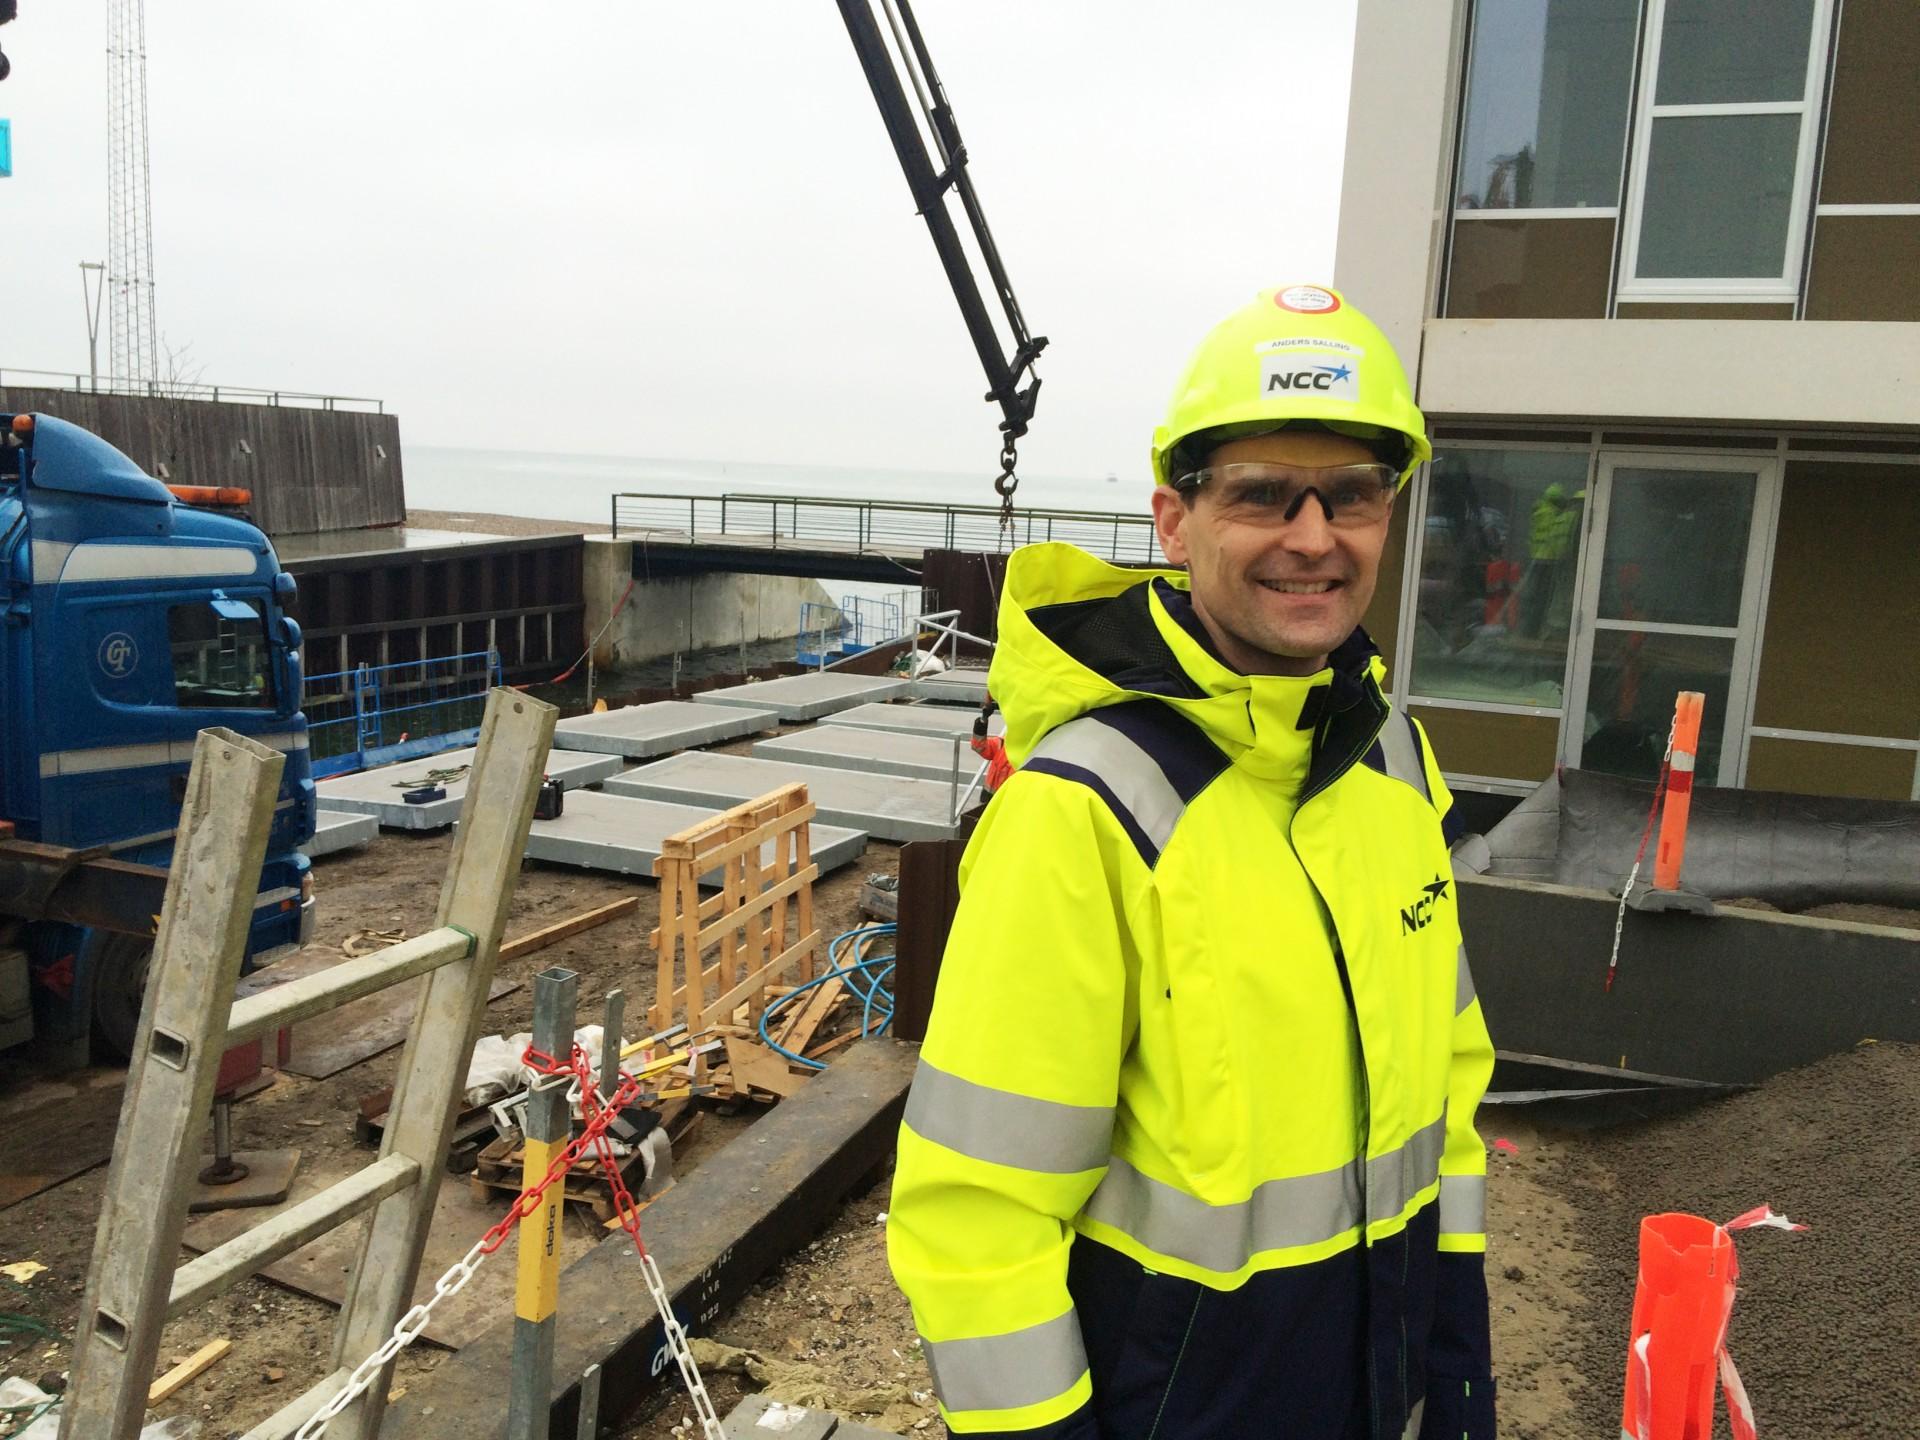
(1411, 1431)
(1003, 1372)
(1463, 991)
(1281, 1214)
(1132, 777)
(1003, 1128)
(1463, 1204)
(1402, 753)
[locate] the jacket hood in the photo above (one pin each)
(1078, 633)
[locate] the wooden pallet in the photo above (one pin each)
(498, 1170)
(746, 925)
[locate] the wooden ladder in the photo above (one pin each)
(190, 1019)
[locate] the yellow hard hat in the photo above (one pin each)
(1301, 353)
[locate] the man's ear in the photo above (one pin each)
(1169, 514)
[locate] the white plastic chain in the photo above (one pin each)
(682, 1352)
(1626, 892)
(404, 1334)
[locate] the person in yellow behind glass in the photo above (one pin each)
(1190, 1153)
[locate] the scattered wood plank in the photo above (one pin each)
(568, 928)
(800, 1030)
(208, 1354)
(755, 1067)
(827, 1047)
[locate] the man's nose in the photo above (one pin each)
(1309, 532)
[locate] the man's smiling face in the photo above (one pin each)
(1276, 598)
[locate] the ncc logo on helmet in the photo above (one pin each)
(1311, 372)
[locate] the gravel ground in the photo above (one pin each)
(1828, 1321)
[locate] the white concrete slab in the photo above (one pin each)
(798, 698)
(641, 732)
(951, 687)
(888, 806)
(872, 752)
(337, 830)
(914, 719)
(377, 792)
(623, 834)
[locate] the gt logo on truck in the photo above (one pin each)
(119, 656)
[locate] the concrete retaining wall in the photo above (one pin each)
(684, 613)
(309, 470)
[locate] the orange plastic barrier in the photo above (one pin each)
(1681, 1304)
(1688, 709)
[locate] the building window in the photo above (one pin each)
(1724, 149)
(220, 656)
(1543, 137)
(1547, 94)
(1499, 552)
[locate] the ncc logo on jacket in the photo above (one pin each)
(1419, 914)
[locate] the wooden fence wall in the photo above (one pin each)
(310, 470)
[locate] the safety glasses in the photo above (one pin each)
(1263, 494)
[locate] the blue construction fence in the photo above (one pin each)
(379, 714)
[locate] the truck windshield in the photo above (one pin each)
(219, 663)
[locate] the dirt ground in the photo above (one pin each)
(282, 1339)
(1824, 1331)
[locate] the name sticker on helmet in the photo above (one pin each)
(1311, 372)
(1307, 300)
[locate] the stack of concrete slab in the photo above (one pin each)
(873, 752)
(378, 792)
(964, 686)
(623, 834)
(799, 698)
(337, 830)
(641, 732)
(948, 720)
(889, 806)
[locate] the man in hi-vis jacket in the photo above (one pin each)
(1190, 1154)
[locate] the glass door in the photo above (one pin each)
(1670, 600)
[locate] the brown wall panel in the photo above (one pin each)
(1865, 267)
(1841, 651)
(1530, 269)
(1733, 310)
(1801, 767)
(1501, 747)
(1383, 613)
(1873, 145)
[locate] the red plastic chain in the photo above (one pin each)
(594, 1136)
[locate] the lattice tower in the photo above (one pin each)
(134, 352)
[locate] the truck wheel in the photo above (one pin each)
(119, 987)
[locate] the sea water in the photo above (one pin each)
(580, 488)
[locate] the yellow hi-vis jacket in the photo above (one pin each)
(1190, 1152)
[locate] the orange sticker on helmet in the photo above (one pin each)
(1307, 300)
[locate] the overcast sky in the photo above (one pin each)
(679, 230)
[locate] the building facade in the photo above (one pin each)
(1655, 265)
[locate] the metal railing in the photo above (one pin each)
(379, 714)
(887, 527)
(185, 390)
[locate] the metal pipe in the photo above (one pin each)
(548, 1125)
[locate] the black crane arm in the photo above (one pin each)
(930, 177)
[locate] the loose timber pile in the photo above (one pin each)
(1826, 1329)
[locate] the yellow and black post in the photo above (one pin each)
(546, 1129)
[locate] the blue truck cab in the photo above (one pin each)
(133, 621)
